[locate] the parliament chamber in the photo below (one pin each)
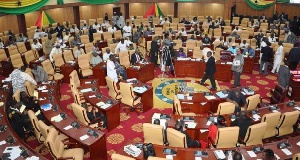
(86, 113)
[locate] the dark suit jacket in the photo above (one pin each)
(133, 59)
(154, 48)
(267, 54)
(210, 66)
(284, 76)
(243, 124)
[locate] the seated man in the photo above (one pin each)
(183, 32)
(268, 154)
(106, 54)
(181, 53)
(233, 49)
(206, 39)
(179, 126)
(39, 73)
(136, 57)
(95, 116)
(244, 44)
(78, 51)
(237, 98)
(96, 59)
(249, 51)
(36, 45)
(243, 122)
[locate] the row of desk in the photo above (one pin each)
(4, 120)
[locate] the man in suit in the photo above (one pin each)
(294, 56)
(154, 50)
(179, 126)
(243, 122)
(267, 53)
(284, 75)
(210, 71)
(59, 29)
(136, 57)
(237, 98)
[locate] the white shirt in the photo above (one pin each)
(183, 32)
(1, 45)
(36, 35)
(66, 37)
(96, 26)
(127, 42)
(112, 30)
(27, 77)
(36, 46)
(106, 56)
(272, 40)
(242, 45)
(95, 60)
(126, 31)
(78, 52)
(204, 52)
(121, 47)
(99, 31)
(72, 30)
(53, 52)
(111, 71)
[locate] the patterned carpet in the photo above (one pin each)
(131, 125)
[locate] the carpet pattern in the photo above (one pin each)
(130, 128)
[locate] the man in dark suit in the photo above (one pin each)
(59, 29)
(154, 50)
(284, 75)
(267, 54)
(294, 56)
(179, 126)
(243, 122)
(210, 71)
(136, 57)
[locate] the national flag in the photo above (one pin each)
(154, 10)
(44, 19)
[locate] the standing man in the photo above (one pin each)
(39, 73)
(210, 71)
(284, 75)
(167, 52)
(237, 68)
(136, 57)
(111, 68)
(278, 58)
(267, 53)
(294, 56)
(48, 45)
(154, 50)
(127, 30)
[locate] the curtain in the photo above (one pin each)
(99, 1)
(23, 9)
(260, 4)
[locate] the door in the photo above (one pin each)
(117, 10)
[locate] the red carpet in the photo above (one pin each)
(131, 125)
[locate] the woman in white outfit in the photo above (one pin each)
(278, 58)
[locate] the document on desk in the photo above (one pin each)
(33, 158)
(105, 106)
(57, 118)
(89, 82)
(219, 154)
(92, 96)
(203, 130)
(139, 89)
(42, 88)
(46, 107)
(191, 124)
(45, 90)
(256, 117)
(86, 90)
(84, 137)
(156, 116)
(99, 104)
(298, 143)
(251, 154)
(221, 94)
(68, 127)
(14, 152)
(286, 151)
(198, 158)
(169, 157)
(210, 97)
(180, 96)
(2, 142)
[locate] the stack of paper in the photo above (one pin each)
(33, 158)
(129, 80)
(22, 108)
(191, 124)
(57, 118)
(132, 150)
(84, 137)
(180, 96)
(210, 97)
(139, 89)
(221, 94)
(86, 90)
(256, 117)
(42, 88)
(219, 154)
(46, 107)
(14, 152)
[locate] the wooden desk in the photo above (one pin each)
(144, 74)
(112, 113)
(102, 44)
(248, 65)
(96, 146)
(196, 69)
(294, 88)
(9, 130)
(66, 70)
(99, 73)
(6, 68)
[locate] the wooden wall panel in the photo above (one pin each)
(138, 9)
(9, 22)
(58, 15)
(97, 11)
(201, 9)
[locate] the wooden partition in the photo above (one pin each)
(57, 14)
(98, 11)
(201, 9)
(9, 22)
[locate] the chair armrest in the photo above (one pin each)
(62, 158)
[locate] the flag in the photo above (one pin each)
(60, 2)
(44, 19)
(154, 10)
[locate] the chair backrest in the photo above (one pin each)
(29, 88)
(227, 137)
(2, 55)
(272, 120)
(34, 122)
(112, 87)
(286, 123)
(48, 67)
(29, 56)
(54, 144)
(253, 101)
(21, 47)
(16, 95)
(74, 79)
(44, 128)
(58, 60)
(225, 108)
(156, 158)
(295, 157)
(68, 55)
(16, 60)
(197, 54)
(176, 138)
(255, 134)
(84, 39)
(118, 34)
(13, 50)
(190, 44)
(177, 105)
(127, 93)
(80, 113)
(153, 133)
(116, 156)
(124, 60)
(106, 35)
(88, 47)
(84, 61)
